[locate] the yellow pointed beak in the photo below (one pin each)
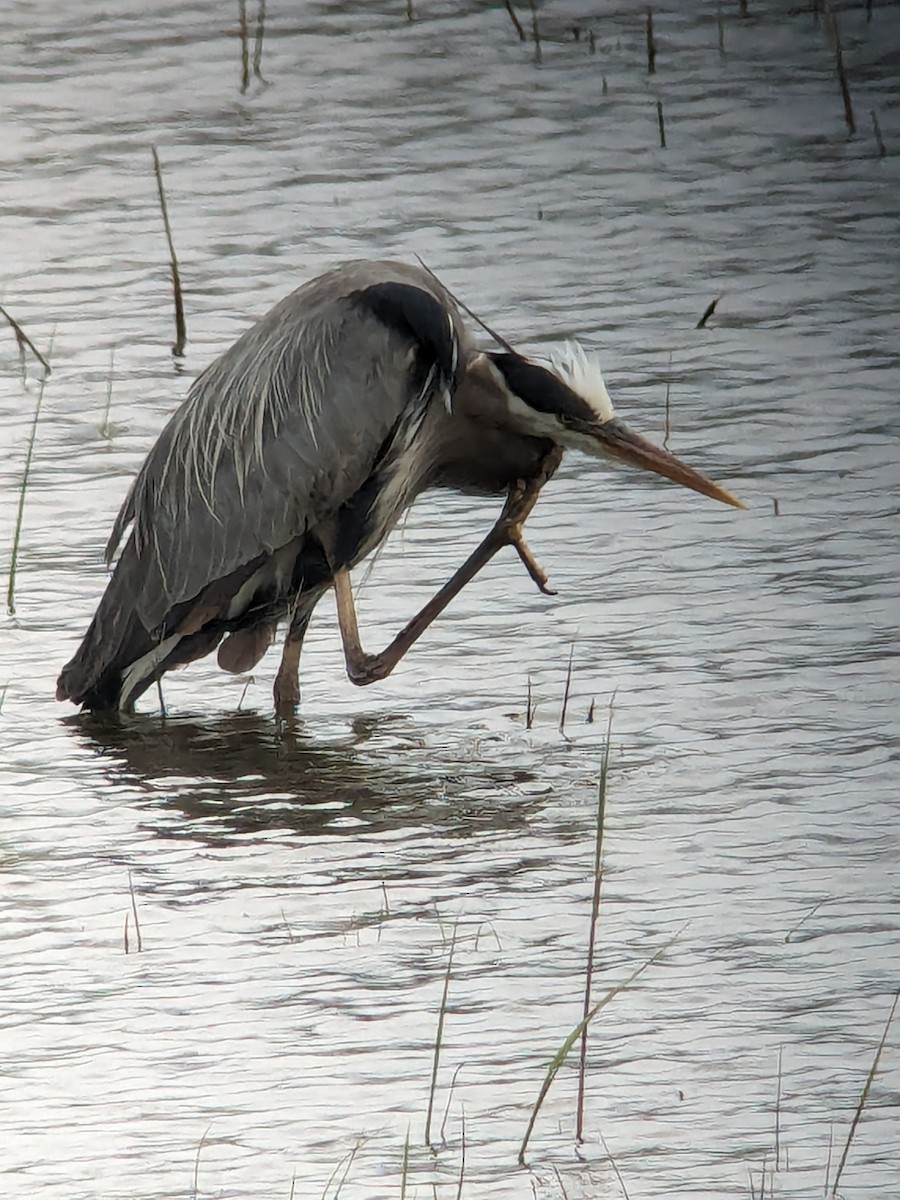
(620, 442)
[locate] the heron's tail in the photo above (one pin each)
(116, 639)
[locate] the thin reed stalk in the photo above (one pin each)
(815, 908)
(879, 140)
(180, 326)
(778, 1111)
(563, 1052)
(23, 341)
(245, 45)
(404, 1170)
(462, 1155)
(667, 431)
(134, 909)
(834, 34)
(535, 33)
(346, 1162)
(439, 1037)
(615, 1166)
(707, 313)
(105, 429)
(828, 1159)
(565, 700)
(661, 122)
(195, 1190)
(592, 930)
(864, 1095)
(258, 42)
(651, 44)
(449, 1101)
(20, 513)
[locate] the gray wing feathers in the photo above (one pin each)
(273, 437)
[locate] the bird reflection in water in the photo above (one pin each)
(242, 774)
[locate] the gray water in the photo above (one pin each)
(297, 892)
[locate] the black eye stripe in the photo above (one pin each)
(540, 389)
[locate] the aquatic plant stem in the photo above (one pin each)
(23, 340)
(595, 915)
(864, 1095)
(17, 534)
(180, 326)
(562, 1053)
(439, 1037)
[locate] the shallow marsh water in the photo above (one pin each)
(297, 892)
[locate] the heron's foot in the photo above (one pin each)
(286, 694)
(520, 500)
(532, 566)
(369, 668)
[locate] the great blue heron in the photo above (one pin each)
(296, 452)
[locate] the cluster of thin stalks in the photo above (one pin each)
(764, 1183)
(591, 1007)
(531, 704)
(530, 29)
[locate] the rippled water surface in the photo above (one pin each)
(297, 891)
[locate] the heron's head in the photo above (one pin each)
(564, 399)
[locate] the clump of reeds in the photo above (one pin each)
(244, 30)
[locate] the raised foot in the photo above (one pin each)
(363, 668)
(370, 669)
(522, 497)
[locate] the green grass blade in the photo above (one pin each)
(562, 1053)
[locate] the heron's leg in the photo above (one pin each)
(365, 668)
(286, 690)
